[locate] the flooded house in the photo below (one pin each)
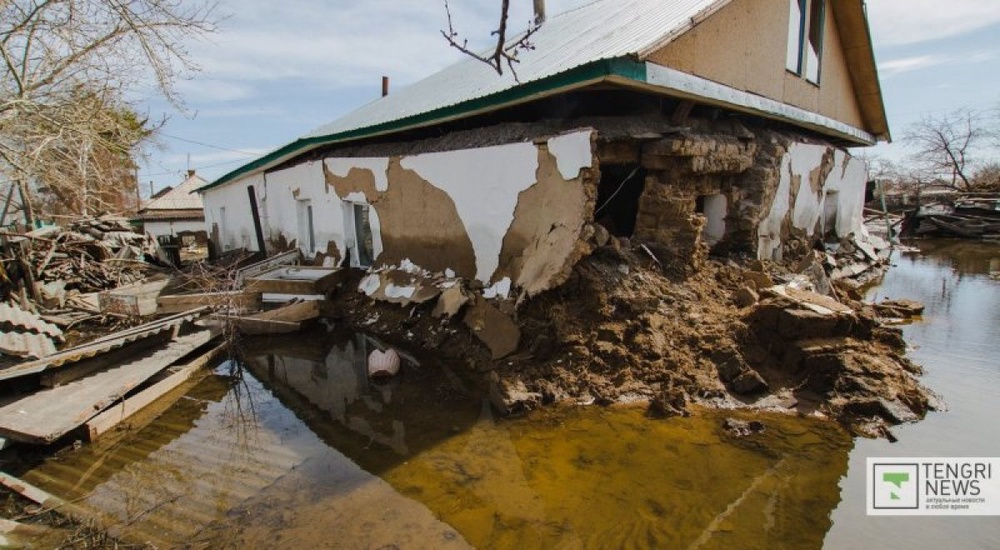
(677, 124)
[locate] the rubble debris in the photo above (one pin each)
(26, 334)
(290, 257)
(383, 364)
(234, 302)
(902, 309)
(450, 303)
(495, 329)
(511, 396)
(970, 216)
(742, 428)
(88, 255)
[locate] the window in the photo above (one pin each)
(805, 38)
(307, 233)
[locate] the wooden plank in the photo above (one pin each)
(297, 311)
(253, 327)
(246, 301)
(114, 416)
(47, 415)
(29, 491)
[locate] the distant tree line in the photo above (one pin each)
(959, 150)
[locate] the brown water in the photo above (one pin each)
(304, 452)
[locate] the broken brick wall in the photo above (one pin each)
(743, 190)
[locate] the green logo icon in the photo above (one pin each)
(897, 479)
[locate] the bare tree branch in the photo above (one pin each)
(504, 52)
(67, 128)
(947, 146)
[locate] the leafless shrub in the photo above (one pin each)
(505, 52)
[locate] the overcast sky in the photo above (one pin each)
(276, 70)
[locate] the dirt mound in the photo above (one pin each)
(626, 328)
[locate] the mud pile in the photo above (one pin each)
(626, 328)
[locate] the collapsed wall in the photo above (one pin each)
(591, 264)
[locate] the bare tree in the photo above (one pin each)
(506, 51)
(70, 67)
(946, 146)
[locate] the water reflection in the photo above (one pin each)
(956, 343)
(285, 456)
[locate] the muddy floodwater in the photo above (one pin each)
(301, 451)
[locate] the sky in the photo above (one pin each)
(276, 70)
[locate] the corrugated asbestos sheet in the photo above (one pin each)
(102, 345)
(27, 344)
(605, 29)
(20, 319)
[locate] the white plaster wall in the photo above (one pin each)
(238, 231)
(484, 184)
(769, 231)
(160, 228)
(716, 207)
(304, 182)
(572, 153)
(847, 178)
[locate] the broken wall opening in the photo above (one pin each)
(714, 208)
(618, 194)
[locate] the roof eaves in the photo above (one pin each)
(583, 75)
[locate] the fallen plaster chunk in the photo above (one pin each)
(500, 289)
(449, 273)
(573, 153)
(370, 284)
(450, 303)
(823, 305)
(394, 292)
(495, 329)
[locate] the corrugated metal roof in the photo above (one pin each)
(604, 41)
(183, 197)
(606, 29)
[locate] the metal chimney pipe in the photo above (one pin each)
(539, 12)
(385, 86)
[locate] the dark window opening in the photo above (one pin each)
(618, 198)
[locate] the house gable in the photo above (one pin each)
(745, 46)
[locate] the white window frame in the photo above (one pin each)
(800, 44)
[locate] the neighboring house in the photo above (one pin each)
(176, 212)
(674, 122)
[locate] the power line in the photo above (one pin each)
(178, 138)
(199, 167)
